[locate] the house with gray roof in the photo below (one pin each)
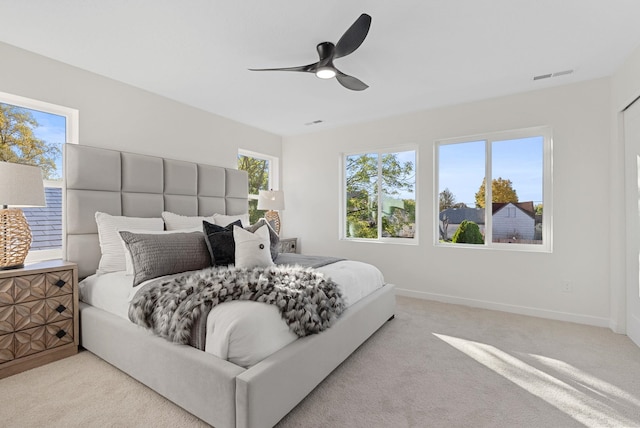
(46, 222)
(511, 221)
(451, 218)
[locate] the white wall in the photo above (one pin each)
(118, 116)
(529, 283)
(624, 279)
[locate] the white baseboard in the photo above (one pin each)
(520, 310)
(633, 329)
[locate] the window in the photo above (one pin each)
(379, 196)
(33, 132)
(515, 211)
(263, 175)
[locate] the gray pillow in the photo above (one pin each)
(274, 239)
(158, 255)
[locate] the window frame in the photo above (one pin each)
(274, 169)
(547, 188)
(72, 131)
(342, 232)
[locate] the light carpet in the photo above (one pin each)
(434, 365)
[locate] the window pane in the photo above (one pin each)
(461, 170)
(361, 176)
(258, 173)
(517, 170)
(398, 194)
(34, 137)
(46, 222)
(254, 213)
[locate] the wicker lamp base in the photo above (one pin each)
(15, 238)
(274, 220)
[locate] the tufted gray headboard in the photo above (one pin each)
(121, 183)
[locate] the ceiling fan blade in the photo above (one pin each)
(350, 82)
(311, 68)
(353, 37)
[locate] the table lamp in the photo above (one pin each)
(20, 186)
(273, 201)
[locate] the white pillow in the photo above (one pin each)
(112, 259)
(252, 249)
(224, 220)
(127, 254)
(177, 221)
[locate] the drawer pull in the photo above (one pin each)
(61, 308)
(60, 334)
(60, 283)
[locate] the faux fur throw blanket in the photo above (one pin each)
(307, 301)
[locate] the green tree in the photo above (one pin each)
(400, 221)
(447, 199)
(362, 194)
(538, 208)
(258, 171)
(468, 232)
(18, 143)
(501, 191)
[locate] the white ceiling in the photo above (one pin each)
(419, 54)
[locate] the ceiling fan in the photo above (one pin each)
(327, 51)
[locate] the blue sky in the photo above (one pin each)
(462, 167)
(52, 129)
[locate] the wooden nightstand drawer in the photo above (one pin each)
(28, 288)
(38, 315)
(30, 341)
(6, 348)
(59, 283)
(6, 291)
(58, 308)
(59, 333)
(7, 323)
(29, 314)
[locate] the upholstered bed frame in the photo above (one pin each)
(217, 391)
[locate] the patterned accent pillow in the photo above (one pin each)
(220, 242)
(274, 239)
(252, 249)
(155, 255)
(127, 255)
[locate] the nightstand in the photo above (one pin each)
(288, 245)
(38, 315)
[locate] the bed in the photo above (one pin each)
(217, 391)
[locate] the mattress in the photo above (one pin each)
(242, 332)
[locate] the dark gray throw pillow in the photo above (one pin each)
(154, 255)
(220, 243)
(274, 239)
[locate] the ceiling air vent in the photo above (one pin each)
(542, 76)
(556, 74)
(315, 122)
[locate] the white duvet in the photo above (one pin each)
(242, 332)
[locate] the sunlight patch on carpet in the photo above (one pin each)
(583, 408)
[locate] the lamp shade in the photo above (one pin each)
(272, 200)
(21, 185)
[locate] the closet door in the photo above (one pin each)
(632, 155)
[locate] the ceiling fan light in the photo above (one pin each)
(325, 73)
